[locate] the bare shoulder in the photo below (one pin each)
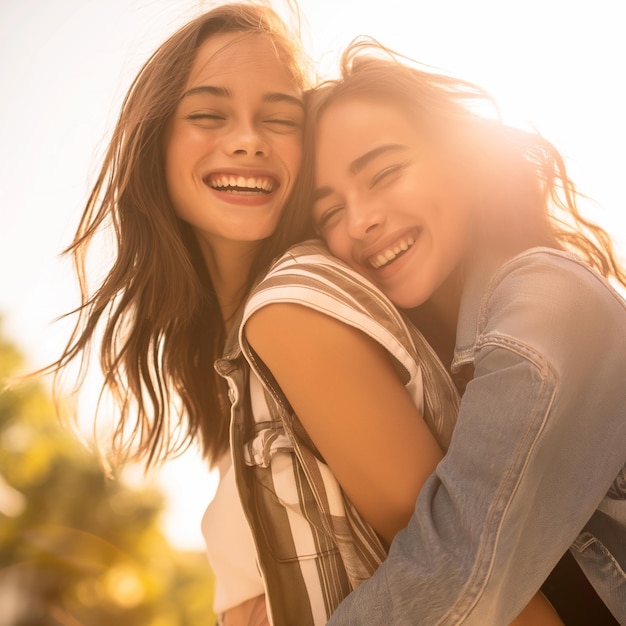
(297, 327)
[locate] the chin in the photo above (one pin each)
(404, 301)
(405, 294)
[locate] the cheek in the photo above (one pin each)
(339, 246)
(463, 221)
(456, 237)
(172, 175)
(187, 144)
(177, 155)
(291, 154)
(179, 180)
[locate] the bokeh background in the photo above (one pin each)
(65, 66)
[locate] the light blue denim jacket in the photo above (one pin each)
(537, 459)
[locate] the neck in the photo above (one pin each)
(229, 264)
(437, 318)
(437, 330)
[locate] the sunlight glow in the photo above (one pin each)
(556, 66)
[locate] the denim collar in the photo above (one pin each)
(479, 280)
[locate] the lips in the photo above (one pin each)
(391, 253)
(230, 183)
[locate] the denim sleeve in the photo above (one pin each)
(540, 438)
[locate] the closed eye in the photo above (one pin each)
(210, 117)
(329, 216)
(387, 173)
(283, 124)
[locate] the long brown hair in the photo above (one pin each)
(155, 315)
(524, 194)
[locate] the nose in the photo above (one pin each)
(246, 140)
(365, 217)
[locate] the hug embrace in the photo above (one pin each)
(382, 315)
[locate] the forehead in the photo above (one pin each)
(230, 56)
(351, 127)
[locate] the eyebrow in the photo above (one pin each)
(358, 164)
(320, 193)
(222, 92)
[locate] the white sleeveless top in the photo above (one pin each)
(229, 544)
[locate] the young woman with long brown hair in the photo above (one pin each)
(197, 174)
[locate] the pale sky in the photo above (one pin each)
(66, 65)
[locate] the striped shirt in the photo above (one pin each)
(312, 545)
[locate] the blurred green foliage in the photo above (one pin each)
(78, 548)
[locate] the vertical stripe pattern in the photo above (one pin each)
(313, 546)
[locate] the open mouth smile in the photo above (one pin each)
(390, 254)
(241, 184)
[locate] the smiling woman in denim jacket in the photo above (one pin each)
(472, 227)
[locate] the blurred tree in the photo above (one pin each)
(78, 548)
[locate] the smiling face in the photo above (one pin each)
(234, 144)
(385, 202)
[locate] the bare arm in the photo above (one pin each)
(345, 391)
(349, 398)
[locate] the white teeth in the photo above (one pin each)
(379, 262)
(240, 183)
(386, 256)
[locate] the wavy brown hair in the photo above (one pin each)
(523, 192)
(155, 316)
